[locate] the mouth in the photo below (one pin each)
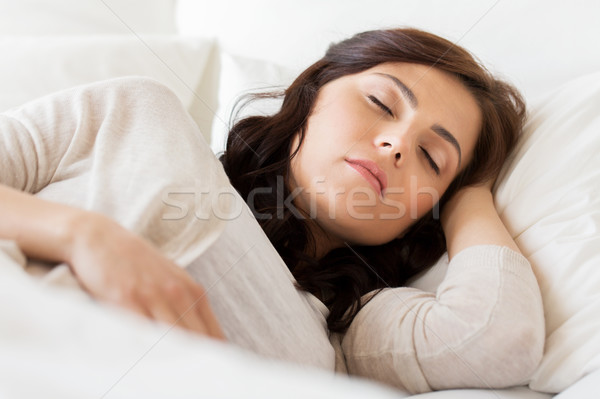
(371, 172)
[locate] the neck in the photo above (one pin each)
(323, 242)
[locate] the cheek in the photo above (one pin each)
(424, 198)
(338, 121)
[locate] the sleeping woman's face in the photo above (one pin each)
(380, 149)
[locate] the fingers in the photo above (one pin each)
(197, 314)
(124, 270)
(134, 307)
(184, 303)
(164, 312)
(204, 311)
(183, 300)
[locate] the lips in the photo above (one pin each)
(371, 172)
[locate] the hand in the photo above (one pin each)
(116, 266)
(469, 218)
(466, 198)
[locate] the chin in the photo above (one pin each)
(370, 238)
(362, 232)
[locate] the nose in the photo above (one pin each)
(395, 145)
(397, 155)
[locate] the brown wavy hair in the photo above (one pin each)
(258, 154)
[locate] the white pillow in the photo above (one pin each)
(548, 195)
(37, 66)
(43, 17)
(430, 279)
(241, 75)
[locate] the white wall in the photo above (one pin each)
(535, 43)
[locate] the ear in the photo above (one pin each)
(297, 139)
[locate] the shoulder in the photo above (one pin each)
(130, 89)
(126, 84)
(124, 96)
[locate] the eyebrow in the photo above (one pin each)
(446, 135)
(412, 101)
(408, 93)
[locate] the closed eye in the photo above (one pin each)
(381, 105)
(432, 163)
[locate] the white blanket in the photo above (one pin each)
(53, 344)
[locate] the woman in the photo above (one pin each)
(372, 142)
(485, 115)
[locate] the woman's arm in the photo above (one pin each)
(484, 327)
(470, 219)
(103, 147)
(110, 262)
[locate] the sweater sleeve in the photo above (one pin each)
(126, 148)
(31, 148)
(484, 328)
(56, 137)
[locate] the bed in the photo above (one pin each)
(55, 342)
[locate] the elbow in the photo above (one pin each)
(520, 338)
(522, 350)
(504, 358)
(519, 348)
(504, 354)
